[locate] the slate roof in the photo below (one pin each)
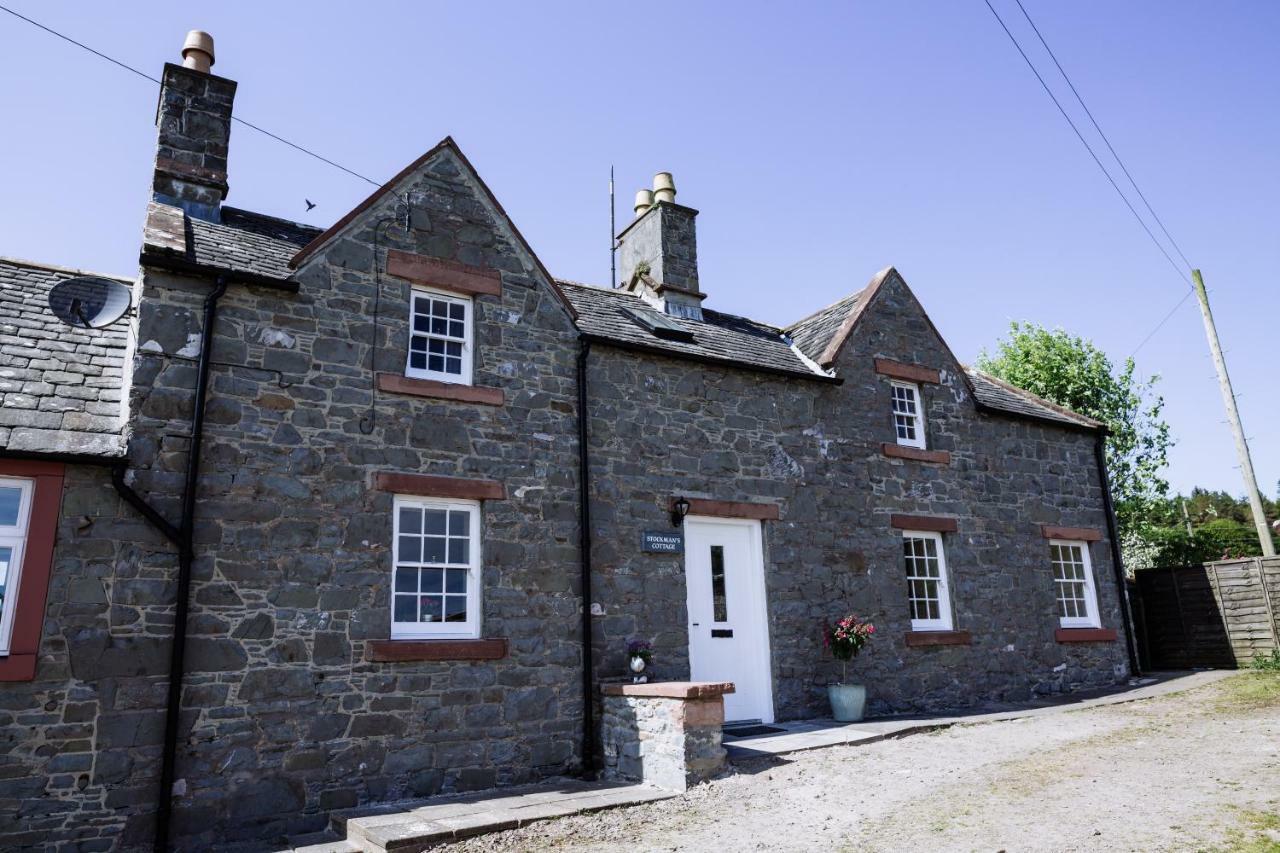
(718, 337)
(815, 332)
(252, 245)
(997, 394)
(61, 388)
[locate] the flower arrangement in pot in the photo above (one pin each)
(845, 638)
(640, 654)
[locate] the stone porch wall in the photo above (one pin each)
(665, 734)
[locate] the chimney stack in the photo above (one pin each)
(658, 252)
(193, 123)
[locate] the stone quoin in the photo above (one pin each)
(385, 564)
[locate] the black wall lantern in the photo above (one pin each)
(679, 509)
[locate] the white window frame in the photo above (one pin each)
(468, 339)
(470, 629)
(917, 419)
(944, 621)
(1092, 618)
(15, 537)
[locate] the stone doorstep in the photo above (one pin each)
(427, 825)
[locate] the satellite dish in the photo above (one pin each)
(88, 302)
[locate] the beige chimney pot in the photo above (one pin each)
(664, 188)
(644, 201)
(197, 51)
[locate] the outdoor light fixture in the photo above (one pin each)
(679, 509)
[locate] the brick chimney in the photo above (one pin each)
(658, 252)
(193, 121)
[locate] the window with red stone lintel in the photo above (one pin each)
(30, 501)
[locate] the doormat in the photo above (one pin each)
(752, 731)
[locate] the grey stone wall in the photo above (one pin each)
(662, 427)
(79, 745)
(284, 718)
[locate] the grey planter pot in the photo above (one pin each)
(848, 702)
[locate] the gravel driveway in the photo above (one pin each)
(1192, 770)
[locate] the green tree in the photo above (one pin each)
(1072, 372)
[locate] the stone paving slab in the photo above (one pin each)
(802, 735)
(419, 825)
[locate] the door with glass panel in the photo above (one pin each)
(728, 629)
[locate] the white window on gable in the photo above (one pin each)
(440, 337)
(927, 591)
(435, 590)
(1073, 581)
(15, 512)
(908, 415)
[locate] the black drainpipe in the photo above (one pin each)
(584, 527)
(1100, 453)
(182, 537)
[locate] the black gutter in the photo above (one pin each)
(584, 543)
(182, 537)
(1122, 590)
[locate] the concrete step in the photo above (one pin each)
(411, 826)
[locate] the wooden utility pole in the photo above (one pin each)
(1233, 417)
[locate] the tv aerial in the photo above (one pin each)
(89, 302)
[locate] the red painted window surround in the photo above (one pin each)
(37, 563)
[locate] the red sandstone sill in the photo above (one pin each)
(1086, 534)
(734, 509)
(908, 372)
(446, 275)
(1085, 635)
(392, 383)
(670, 689)
(939, 638)
(431, 486)
(899, 451)
(937, 523)
(398, 651)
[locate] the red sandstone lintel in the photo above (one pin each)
(671, 689)
(1087, 534)
(734, 509)
(493, 648)
(393, 383)
(939, 638)
(937, 523)
(446, 275)
(428, 486)
(1085, 635)
(901, 451)
(908, 372)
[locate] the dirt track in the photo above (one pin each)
(1192, 770)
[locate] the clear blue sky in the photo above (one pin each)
(821, 142)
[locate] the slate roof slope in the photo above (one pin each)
(718, 337)
(251, 245)
(997, 394)
(815, 332)
(61, 388)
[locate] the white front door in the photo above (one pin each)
(728, 629)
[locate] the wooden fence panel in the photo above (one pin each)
(1220, 614)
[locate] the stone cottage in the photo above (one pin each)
(354, 515)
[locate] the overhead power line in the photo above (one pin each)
(1098, 128)
(1182, 275)
(1100, 165)
(146, 76)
